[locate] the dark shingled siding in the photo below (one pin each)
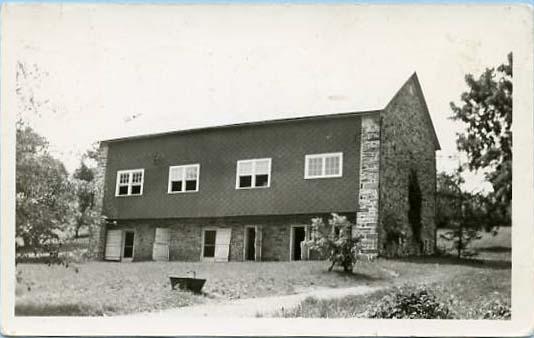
(218, 150)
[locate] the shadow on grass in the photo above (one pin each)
(495, 249)
(356, 276)
(57, 310)
(453, 260)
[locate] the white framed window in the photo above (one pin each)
(254, 173)
(130, 182)
(183, 178)
(323, 165)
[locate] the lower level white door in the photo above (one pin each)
(160, 250)
(113, 245)
(222, 244)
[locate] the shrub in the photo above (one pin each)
(336, 243)
(394, 233)
(496, 310)
(410, 303)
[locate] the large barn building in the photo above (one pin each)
(249, 191)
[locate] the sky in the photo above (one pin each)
(113, 71)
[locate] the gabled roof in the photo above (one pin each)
(413, 78)
(419, 92)
(246, 124)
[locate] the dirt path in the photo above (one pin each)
(255, 307)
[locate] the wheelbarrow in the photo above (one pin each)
(187, 283)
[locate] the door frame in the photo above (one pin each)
(124, 231)
(202, 258)
(245, 241)
(292, 239)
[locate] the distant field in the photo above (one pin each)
(503, 239)
(489, 246)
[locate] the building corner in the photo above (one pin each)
(98, 231)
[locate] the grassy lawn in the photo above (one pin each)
(469, 287)
(467, 291)
(112, 288)
(107, 288)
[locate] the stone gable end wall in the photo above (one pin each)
(407, 144)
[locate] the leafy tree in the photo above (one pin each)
(449, 193)
(465, 228)
(486, 109)
(44, 200)
(464, 214)
(85, 191)
(84, 173)
(335, 242)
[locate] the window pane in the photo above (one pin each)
(136, 189)
(129, 238)
(262, 167)
(191, 173)
(191, 185)
(123, 178)
(177, 174)
(262, 180)
(128, 252)
(123, 190)
(245, 181)
(209, 250)
(137, 177)
(315, 166)
(176, 186)
(332, 165)
(209, 237)
(245, 168)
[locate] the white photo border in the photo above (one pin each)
(522, 320)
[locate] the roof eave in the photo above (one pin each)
(241, 125)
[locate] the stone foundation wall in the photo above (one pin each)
(408, 148)
(275, 246)
(186, 235)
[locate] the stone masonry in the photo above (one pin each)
(367, 214)
(408, 148)
(186, 235)
(98, 233)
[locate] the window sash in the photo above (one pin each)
(323, 165)
(253, 168)
(315, 166)
(184, 174)
(125, 178)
